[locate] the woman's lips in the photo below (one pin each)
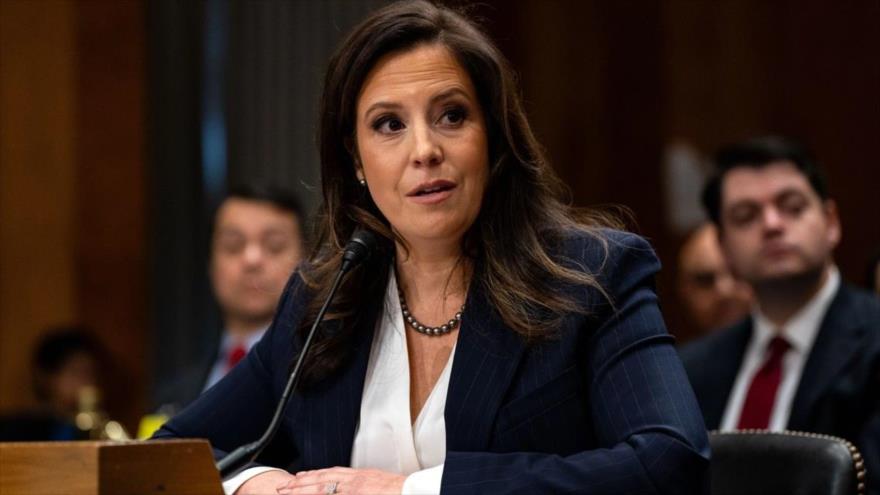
(429, 198)
(432, 192)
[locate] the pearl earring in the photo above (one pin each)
(362, 182)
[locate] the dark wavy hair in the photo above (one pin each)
(523, 219)
(759, 152)
(263, 191)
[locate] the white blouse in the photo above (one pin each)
(386, 438)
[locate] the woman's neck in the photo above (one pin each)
(434, 274)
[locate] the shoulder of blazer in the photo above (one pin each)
(619, 262)
(858, 305)
(848, 344)
(852, 314)
(596, 247)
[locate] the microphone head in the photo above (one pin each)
(362, 244)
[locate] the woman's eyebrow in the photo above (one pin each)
(443, 95)
(454, 91)
(383, 105)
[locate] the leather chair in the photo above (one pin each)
(760, 462)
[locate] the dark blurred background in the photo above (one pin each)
(122, 122)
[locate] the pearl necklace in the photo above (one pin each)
(424, 329)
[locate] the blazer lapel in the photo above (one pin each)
(327, 415)
(837, 342)
(486, 357)
(723, 364)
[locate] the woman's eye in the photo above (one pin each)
(453, 116)
(388, 125)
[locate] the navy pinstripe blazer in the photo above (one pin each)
(603, 408)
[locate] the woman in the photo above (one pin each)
(497, 344)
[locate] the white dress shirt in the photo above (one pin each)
(386, 438)
(800, 332)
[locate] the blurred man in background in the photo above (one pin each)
(66, 363)
(808, 358)
(713, 298)
(256, 242)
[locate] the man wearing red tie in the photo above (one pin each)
(256, 243)
(808, 356)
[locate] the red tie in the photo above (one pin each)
(762, 392)
(234, 356)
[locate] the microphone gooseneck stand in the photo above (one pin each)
(358, 249)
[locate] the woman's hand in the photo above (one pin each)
(264, 483)
(343, 481)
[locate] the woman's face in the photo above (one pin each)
(421, 141)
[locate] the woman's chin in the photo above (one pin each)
(437, 233)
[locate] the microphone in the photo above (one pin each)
(361, 245)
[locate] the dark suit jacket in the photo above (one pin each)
(603, 408)
(839, 391)
(186, 386)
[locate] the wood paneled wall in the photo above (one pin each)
(111, 241)
(72, 213)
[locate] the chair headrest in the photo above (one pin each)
(789, 462)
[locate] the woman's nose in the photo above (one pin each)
(426, 149)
